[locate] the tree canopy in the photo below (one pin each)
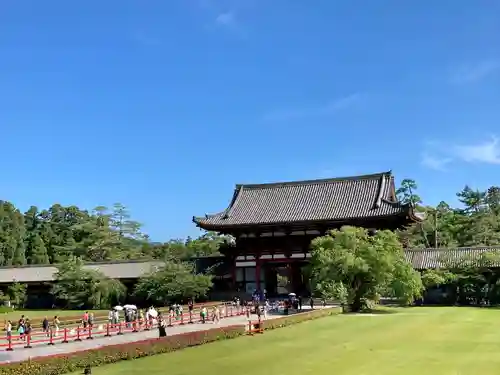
(356, 268)
(80, 288)
(174, 282)
(476, 222)
(56, 234)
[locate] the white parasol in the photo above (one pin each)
(118, 308)
(130, 307)
(292, 294)
(153, 313)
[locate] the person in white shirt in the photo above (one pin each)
(9, 329)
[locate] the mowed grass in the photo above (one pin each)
(429, 340)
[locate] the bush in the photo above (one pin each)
(298, 318)
(62, 364)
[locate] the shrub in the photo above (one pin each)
(298, 318)
(62, 364)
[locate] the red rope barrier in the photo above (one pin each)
(65, 339)
(51, 340)
(107, 330)
(89, 336)
(120, 329)
(78, 338)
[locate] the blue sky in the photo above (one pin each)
(165, 105)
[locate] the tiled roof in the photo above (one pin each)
(333, 199)
(422, 259)
(115, 270)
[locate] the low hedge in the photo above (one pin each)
(288, 320)
(66, 363)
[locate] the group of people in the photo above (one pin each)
(24, 327)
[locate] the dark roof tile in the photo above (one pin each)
(313, 200)
(422, 259)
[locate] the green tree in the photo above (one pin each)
(37, 252)
(80, 288)
(354, 267)
(407, 192)
(16, 294)
(174, 282)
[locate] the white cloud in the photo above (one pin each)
(434, 162)
(484, 152)
(226, 19)
(327, 109)
(475, 72)
(438, 155)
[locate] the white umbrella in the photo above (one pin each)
(292, 294)
(131, 307)
(118, 308)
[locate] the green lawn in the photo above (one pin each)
(439, 341)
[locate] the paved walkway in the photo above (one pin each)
(41, 350)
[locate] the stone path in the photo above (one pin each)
(41, 350)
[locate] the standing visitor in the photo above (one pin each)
(162, 330)
(55, 325)
(45, 326)
(203, 314)
(91, 320)
(190, 309)
(27, 329)
(311, 303)
(216, 315)
(9, 330)
(85, 320)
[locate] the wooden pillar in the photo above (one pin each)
(233, 273)
(257, 271)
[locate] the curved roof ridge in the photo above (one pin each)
(371, 176)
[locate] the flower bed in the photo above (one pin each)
(298, 318)
(66, 363)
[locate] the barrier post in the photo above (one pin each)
(182, 319)
(65, 339)
(170, 321)
(231, 310)
(107, 330)
(190, 317)
(250, 330)
(225, 311)
(9, 347)
(78, 334)
(120, 329)
(51, 337)
(89, 336)
(28, 341)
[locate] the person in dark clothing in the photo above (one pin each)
(162, 330)
(311, 303)
(299, 300)
(45, 326)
